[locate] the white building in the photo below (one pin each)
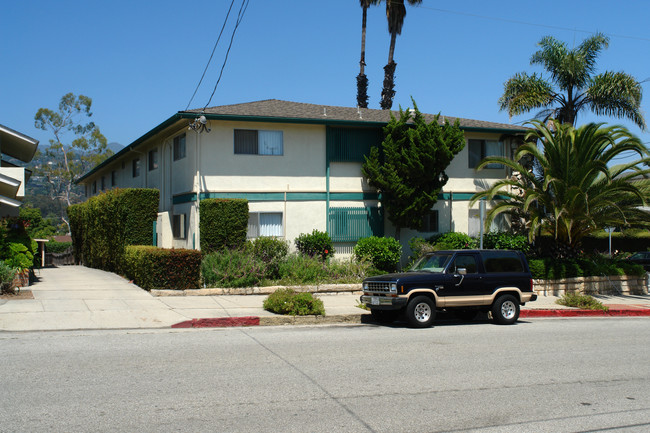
(297, 164)
(13, 177)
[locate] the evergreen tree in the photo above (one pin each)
(409, 170)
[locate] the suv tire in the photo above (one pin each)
(420, 312)
(505, 310)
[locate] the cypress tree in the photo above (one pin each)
(409, 169)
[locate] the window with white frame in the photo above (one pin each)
(480, 149)
(258, 142)
(179, 147)
(265, 224)
(178, 226)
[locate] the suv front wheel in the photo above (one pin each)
(420, 312)
(505, 310)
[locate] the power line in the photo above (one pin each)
(240, 17)
(527, 23)
(212, 54)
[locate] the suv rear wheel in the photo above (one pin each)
(505, 310)
(420, 312)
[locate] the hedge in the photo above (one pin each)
(105, 224)
(223, 224)
(621, 242)
(159, 268)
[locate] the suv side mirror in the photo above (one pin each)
(461, 271)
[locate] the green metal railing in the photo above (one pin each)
(349, 224)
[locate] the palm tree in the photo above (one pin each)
(573, 86)
(574, 190)
(362, 80)
(395, 13)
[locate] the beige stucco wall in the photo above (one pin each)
(300, 168)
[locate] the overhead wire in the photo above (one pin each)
(527, 23)
(240, 17)
(225, 21)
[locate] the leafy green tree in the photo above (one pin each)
(395, 13)
(409, 170)
(362, 80)
(68, 160)
(574, 189)
(36, 226)
(573, 85)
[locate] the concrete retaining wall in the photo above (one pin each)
(613, 285)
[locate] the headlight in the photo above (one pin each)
(393, 287)
(365, 287)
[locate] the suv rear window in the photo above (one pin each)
(502, 261)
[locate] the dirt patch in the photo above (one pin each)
(23, 294)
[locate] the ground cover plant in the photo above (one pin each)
(584, 302)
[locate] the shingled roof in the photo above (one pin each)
(275, 110)
(287, 110)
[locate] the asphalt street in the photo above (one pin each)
(540, 375)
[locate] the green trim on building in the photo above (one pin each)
(184, 198)
(290, 196)
(309, 196)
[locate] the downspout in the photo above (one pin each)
(197, 217)
(451, 214)
(327, 195)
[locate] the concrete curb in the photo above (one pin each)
(227, 322)
(586, 313)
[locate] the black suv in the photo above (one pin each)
(462, 281)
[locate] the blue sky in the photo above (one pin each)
(140, 61)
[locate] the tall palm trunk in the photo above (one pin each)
(362, 80)
(388, 91)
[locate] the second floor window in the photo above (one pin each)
(153, 159)
(257, 142)
(479, 149)
(179, 147)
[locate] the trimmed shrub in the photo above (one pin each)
(57, 247)
(384, 253)
(159, 268)
(554, 269)
(223, 224)
(453, 241)
(105, 224)
(232, 268)
(315, 244)
(287, 301)
(505, 241)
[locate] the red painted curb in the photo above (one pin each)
(585, 313)
(219, 322)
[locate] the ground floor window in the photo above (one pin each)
(430, 222)
(265, 224)
(178, 226)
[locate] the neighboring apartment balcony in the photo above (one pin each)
(12, 185)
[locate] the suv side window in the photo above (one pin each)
(467, 262)
(502, 261)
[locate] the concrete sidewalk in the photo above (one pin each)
(76, 297)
